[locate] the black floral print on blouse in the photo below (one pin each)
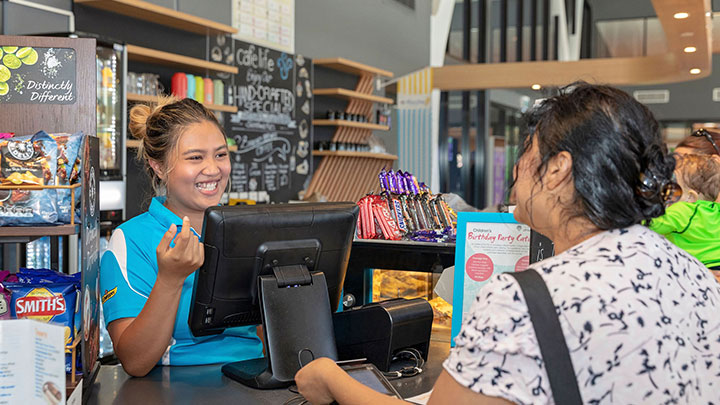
(641, 318)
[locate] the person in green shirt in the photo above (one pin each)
(693, 223)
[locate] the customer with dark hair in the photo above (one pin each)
(693, 224)
(638, 314)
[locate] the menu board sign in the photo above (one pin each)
(273, 92)
(31, 75)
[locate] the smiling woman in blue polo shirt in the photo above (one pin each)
(147, 273)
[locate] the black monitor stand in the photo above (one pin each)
(297, 327)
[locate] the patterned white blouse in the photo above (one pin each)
(640, 316)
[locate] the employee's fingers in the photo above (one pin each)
(184, 237)
(200, 255)
(164, 244)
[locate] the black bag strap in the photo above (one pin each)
(550, 336)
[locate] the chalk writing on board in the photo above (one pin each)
(265, 127)
(264, 147)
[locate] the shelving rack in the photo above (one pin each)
(141, 54)
(348, 175)
(147, 11)
(78, 116)
(144, 98)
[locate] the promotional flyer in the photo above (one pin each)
(487, 244)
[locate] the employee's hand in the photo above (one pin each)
(176, 263)
(312, 380)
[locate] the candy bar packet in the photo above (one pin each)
(28, 161)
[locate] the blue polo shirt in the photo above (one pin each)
(128, 271)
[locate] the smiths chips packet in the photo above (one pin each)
(68, 148)
(47, 296)
(28, 160)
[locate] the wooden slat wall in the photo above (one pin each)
(349, 178)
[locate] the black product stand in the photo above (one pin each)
(297, 326)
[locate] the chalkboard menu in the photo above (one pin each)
(31, 75)
(272, 128)
(541, 247)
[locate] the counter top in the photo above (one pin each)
(207, 385)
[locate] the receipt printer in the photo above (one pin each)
(378, 330)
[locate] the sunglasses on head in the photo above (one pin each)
(702, 132)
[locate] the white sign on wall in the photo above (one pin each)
(270, 23)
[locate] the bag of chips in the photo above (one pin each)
(68, 148)
(28, 160)
(48, 296)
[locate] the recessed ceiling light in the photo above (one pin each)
(695, 71)
(687, 34)
(536, 87)
(680, 16)
(690, 49)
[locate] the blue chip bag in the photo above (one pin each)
(68, 147)
(28, 160)
(47, 302)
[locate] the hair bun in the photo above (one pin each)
(139, 115)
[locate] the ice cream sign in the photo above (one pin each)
(31, 75)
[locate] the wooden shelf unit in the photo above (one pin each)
(340, 177)
(168, 17)
(135, 143)
(352, 95)
(140, 54)
(24, 234)
(351, 124)
(348, 175)
(348, 153)
(352, 67)
(144, 98)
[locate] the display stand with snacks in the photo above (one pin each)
(50, 188)
(348, 169)
(404, 227)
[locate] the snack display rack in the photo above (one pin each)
(78, 115)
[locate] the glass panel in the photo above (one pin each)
(109, 108)
(655, 37)
(389, 284)
(620, 38)
(454, 149)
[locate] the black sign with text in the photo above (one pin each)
(272, 128)
(90, 255)
(31, 75)
(541, 247)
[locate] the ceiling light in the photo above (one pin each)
(536, 87)
(690, 49)
(695, 71)
(680, 16)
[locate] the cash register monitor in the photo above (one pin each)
(281, 265)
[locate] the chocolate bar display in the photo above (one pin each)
(405, 209)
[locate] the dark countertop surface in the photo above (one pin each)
(207, 385)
